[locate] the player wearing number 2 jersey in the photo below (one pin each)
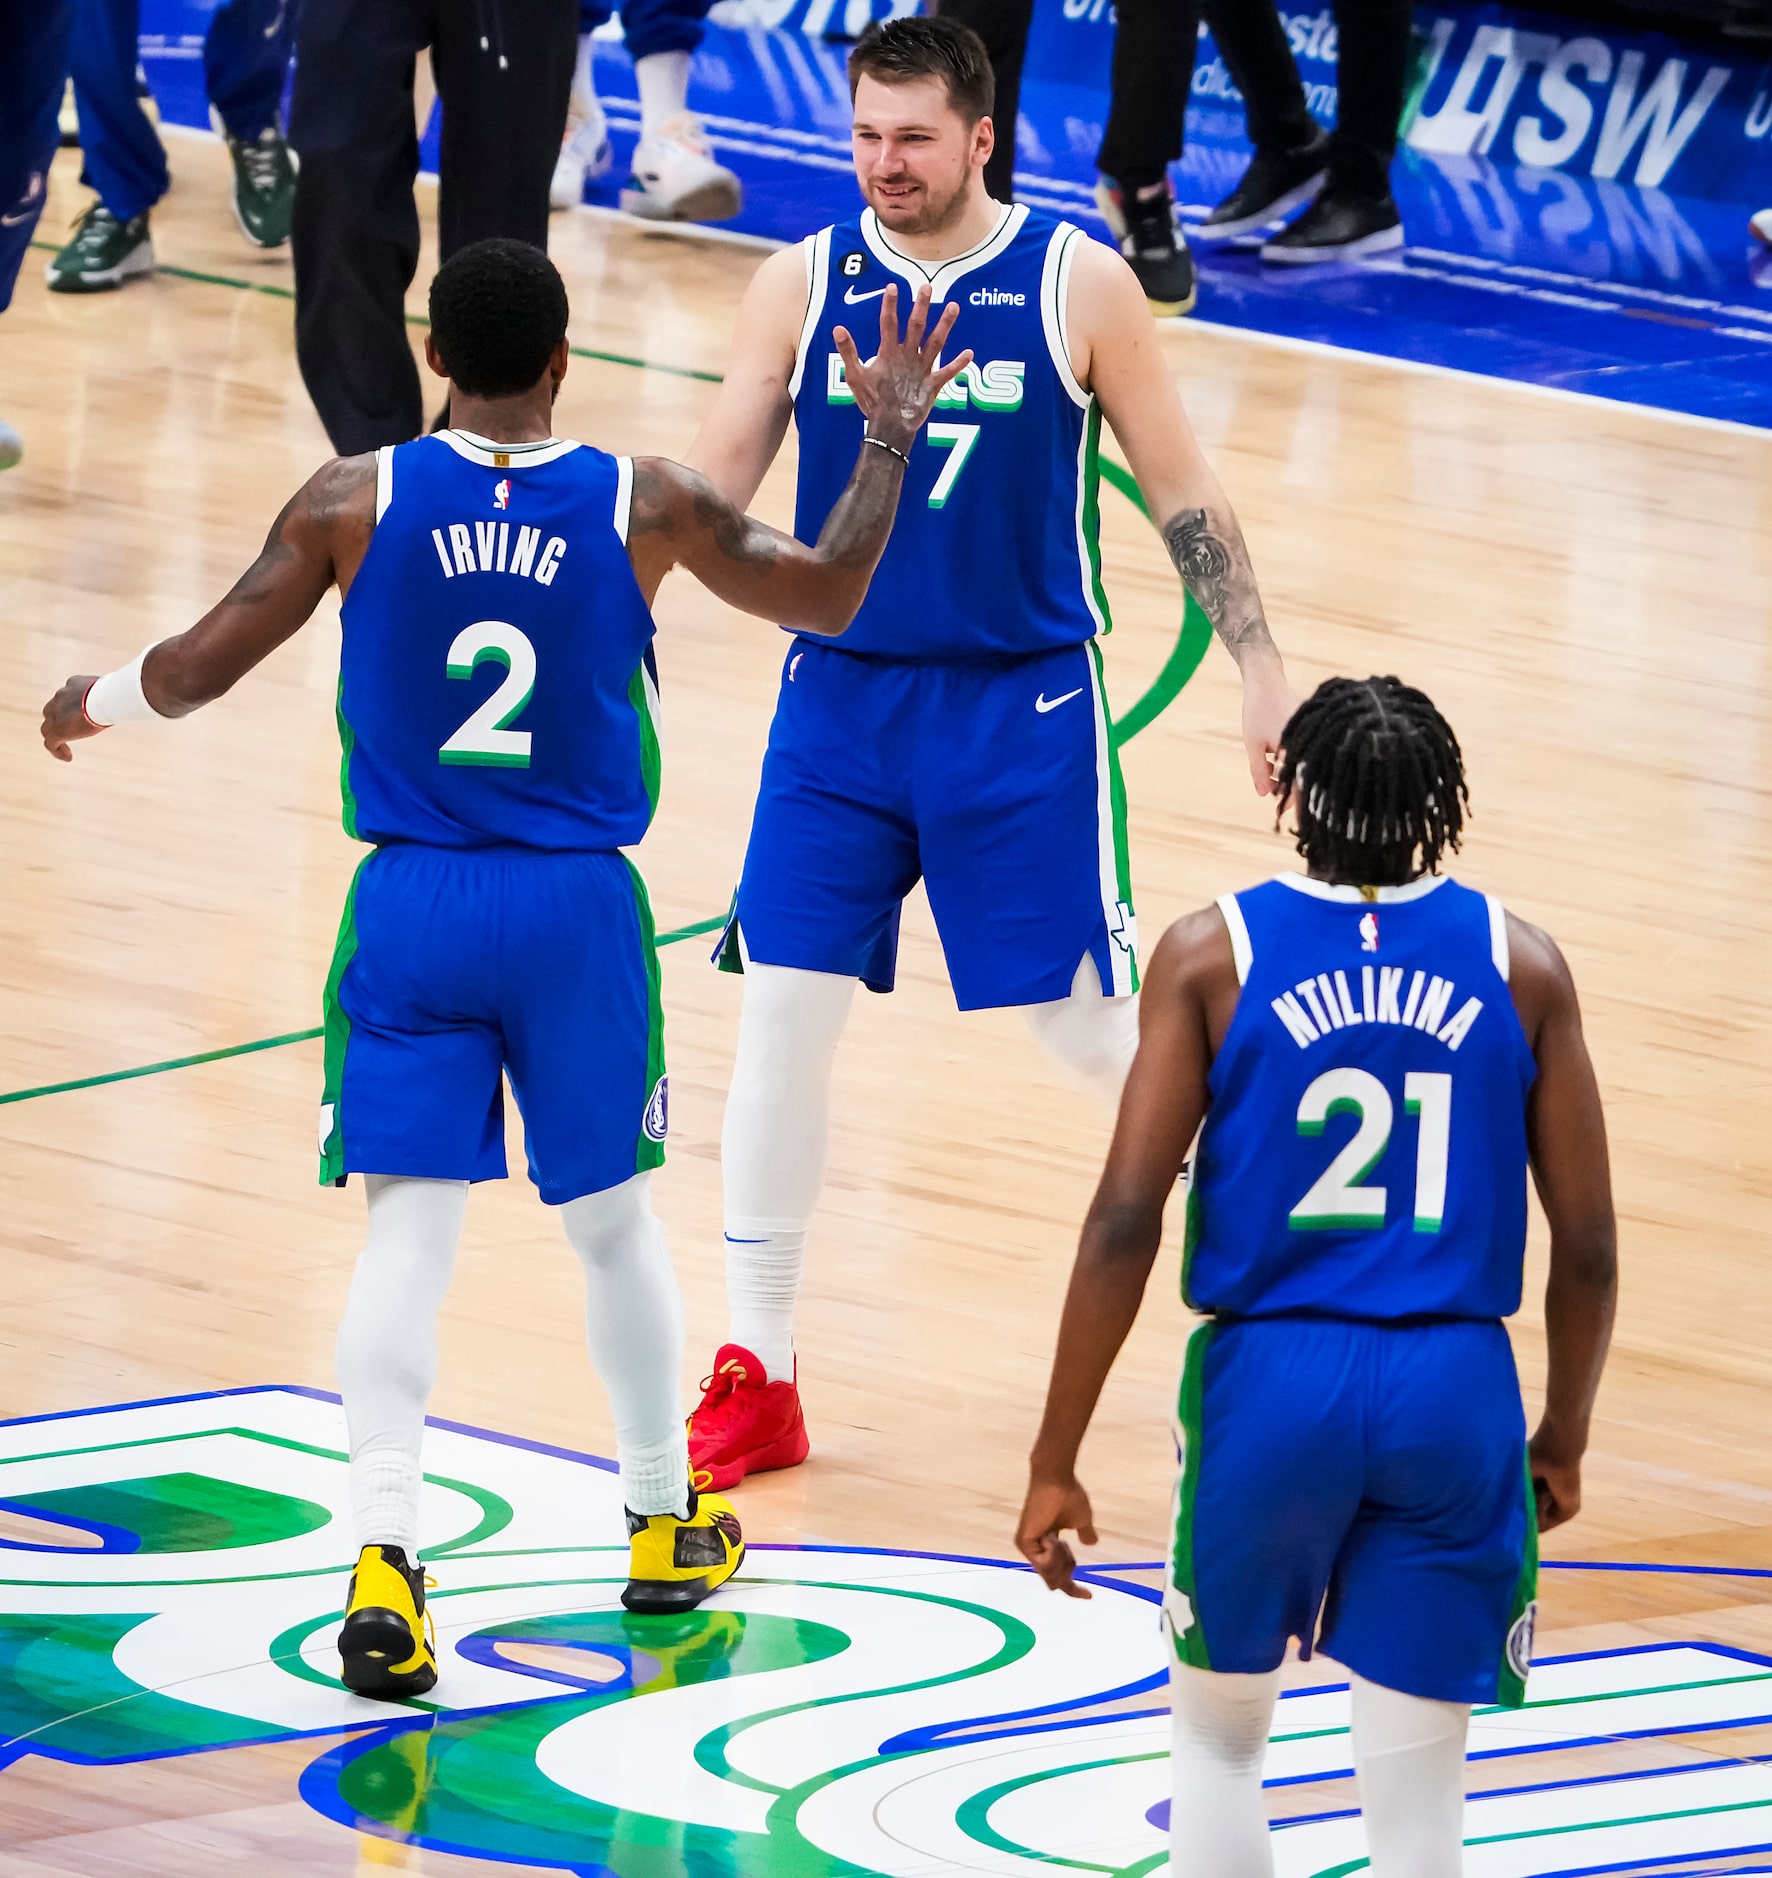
(1373, 1058)
(960, 735)
(496, 706)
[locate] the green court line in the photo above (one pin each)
(274, 291)
(266, 1043)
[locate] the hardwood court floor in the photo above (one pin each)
(1586, 590)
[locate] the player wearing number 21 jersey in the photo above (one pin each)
(497, 706)
(1373, 1057)
(960, 735)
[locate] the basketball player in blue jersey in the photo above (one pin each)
(961, 733)
(1373, 1058)
(497, 707)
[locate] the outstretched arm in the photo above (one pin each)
(1164, 1102)
(318, 539)
(1117, 355)
(681, 518)
(1566, 1137)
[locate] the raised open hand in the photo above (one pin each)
(897, 387)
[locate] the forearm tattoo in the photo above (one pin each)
(1215, 569)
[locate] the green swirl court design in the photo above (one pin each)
(173, 1578)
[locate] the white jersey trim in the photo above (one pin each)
(487, 451)
(1360, 896)
(947, 274)
(818, 275)
(1498, 948)
(384, 479)
(1238, 928)
(624, 496)
(1055, 287)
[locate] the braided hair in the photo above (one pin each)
(1379, 782)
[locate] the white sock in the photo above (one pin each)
(387, 1347)
(663, 78)
(1218, 1823)
(584, 87)
(1093, 1036)
(634, 1327)
(774, 1145)
(1409, 1758)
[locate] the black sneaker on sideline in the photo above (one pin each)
(1154, 247)
(1272, 187)
(1338, 228)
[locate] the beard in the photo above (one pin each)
(934, 210)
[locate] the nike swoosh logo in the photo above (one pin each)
(852, 298)
(1043, 704)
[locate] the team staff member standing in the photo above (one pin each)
(503, 70)
(962, 734)
(496, 925)
(1373, 1057)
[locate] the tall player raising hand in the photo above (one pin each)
(961, 732)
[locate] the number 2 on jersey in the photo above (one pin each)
(486, 738)
(1339, 1197)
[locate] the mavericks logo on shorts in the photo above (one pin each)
(657, 1120)
(1519, 1641)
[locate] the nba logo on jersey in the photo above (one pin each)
(1369, 932)
(501, 494)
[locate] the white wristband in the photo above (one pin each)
(118, 698)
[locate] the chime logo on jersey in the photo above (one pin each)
(1368, 932)
(501, 495)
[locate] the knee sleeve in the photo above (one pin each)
(387, 1347)
(1093, 1036)
(1218, 1821)
(1409, 1758)
(634, 1331)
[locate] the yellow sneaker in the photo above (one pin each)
(386, 1644)
(675, 1561)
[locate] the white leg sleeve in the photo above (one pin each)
(774, 1146)
(663, 81)
(1093, 1036)
(1218, 1820)
(1409, 1756)
(387, 1347)
(634, 1327)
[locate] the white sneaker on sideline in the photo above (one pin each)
(584, 154)
(675, 177)
(1761, 226)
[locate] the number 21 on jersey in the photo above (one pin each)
(1339, 1198)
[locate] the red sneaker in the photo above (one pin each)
(744, 1424)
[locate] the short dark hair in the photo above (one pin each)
(498, 310)
(897, 51)
(1380, 781)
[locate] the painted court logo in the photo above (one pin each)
(176, 1574)
(657, 1120)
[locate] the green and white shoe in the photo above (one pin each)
(264, 187)
(103, 254)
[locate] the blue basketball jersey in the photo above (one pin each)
(1364, 1151)
(496, 683)
(995, 549)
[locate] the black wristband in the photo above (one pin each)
(880, 443)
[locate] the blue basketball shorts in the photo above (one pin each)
(455, 968)
(993, 780)
(1373, 1476)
